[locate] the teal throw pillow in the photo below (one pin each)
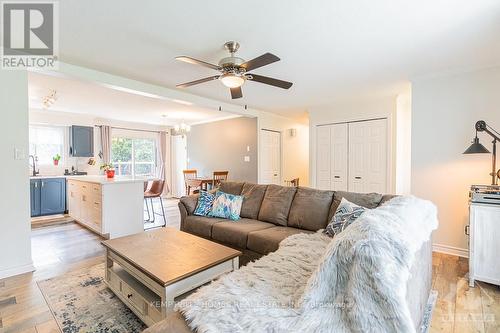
(205, 202)
(226, 206)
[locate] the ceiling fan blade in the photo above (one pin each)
(270, 81)
(263, 60)
(192, 83)
(236, 93)
(197, 62)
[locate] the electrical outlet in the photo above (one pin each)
(246, 158)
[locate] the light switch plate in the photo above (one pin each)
(246, 158)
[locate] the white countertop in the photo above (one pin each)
(103, 180)
(47, 176)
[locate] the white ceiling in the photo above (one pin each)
(92, 99)
(330, 49)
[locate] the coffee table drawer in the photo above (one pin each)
(133, 297)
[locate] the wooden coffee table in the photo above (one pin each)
(147, 271)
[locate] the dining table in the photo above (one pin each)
(198, 182)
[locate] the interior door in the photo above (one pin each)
(271, 157)
(323, 160)
(368, 156)
(339, 157)
(179, 163)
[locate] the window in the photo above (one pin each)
(46, 142)
(133, 156)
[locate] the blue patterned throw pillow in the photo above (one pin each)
(346, 214)
(227, 206)
(205, 202)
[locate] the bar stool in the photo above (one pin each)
(155, 191)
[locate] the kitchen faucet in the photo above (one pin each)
(34, 173)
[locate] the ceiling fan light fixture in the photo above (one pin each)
(232, 80)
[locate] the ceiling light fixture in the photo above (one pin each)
(50, 99)
(181, 129)
(231, 80)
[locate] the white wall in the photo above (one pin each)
(15, 246)
(346, 111)
(295, 150)
(444, 112)
(402, 183)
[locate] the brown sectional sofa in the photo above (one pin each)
(269, 214)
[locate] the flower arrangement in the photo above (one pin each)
(56, 159)
(109, 169)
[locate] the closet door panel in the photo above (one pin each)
(339, 157)
(323, 153)
(368, 156)
(376, 171)
(357, 157)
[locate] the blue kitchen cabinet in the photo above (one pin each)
(48, 196)
(81, 141)
(35, 197)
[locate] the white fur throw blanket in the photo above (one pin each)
(353, 283)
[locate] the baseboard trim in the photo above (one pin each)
(446, 249)
(17, 270)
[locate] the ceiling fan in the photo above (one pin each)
(234, 71)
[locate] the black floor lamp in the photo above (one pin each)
(478, 148)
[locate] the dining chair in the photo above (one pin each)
(294, 182)
(154, 191)
(219, 176)
(189, 174)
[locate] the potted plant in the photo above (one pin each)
(108, 169)
(56, 159)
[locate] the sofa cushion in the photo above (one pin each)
(276, 204)
(231, 187)
(190, 202)
(367, 200)
(253, 196)
(268, 240)
(200, 225)
(386, 197)
(236, 233)
(310, 209)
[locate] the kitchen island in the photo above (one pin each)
(110, 207)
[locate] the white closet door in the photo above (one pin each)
(339, 157)
(271, 157)
(323, 160)
(368, 156)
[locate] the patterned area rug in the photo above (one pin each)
(81, 302)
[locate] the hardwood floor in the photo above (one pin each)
(61, 248)
(460, 308)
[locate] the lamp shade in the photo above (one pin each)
(476, 148)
